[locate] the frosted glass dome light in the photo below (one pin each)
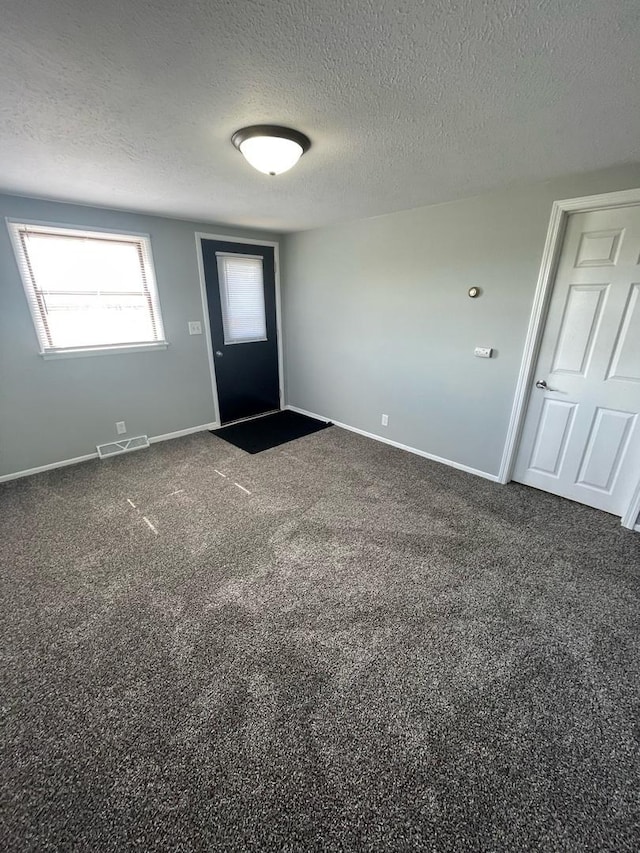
(271, 154)
(269, 148)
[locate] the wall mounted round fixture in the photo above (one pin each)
(473, 292)
(269, 148)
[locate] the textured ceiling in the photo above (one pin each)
(131, 103)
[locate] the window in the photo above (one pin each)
(242, 298)
(88, 290)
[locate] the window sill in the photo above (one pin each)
(114, 350)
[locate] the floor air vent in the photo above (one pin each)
(124, 446)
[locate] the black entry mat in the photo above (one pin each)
(262, 433)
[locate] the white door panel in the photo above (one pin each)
(556, 420)
(605, 449)
(580, 322)
(625, 363)
(581, 436)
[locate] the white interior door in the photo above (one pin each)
(581, 436)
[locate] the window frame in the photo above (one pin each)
(143, 241)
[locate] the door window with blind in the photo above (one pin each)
(88, 290)
(242, 298)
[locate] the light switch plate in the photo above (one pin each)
(483, 352)
(195, 327)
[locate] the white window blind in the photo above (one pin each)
(88, 290)
(242, 298)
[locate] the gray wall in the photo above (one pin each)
(377, 317)
(60, 409)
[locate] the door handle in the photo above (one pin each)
(219, 354)
(542, 385)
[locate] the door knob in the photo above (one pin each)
(219, 354)
(542, 384)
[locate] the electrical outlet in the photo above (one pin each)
(195, 327)
(121, 427)
(483, 352)
(385, 420)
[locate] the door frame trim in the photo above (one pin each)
(560, 211)
(200, 236)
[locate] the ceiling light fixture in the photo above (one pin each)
(269, 148)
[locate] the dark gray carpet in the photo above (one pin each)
(363, 651)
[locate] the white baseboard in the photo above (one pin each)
(64, 462)
(493, 477)
(179, 433)
(322, 418)
(203, 427)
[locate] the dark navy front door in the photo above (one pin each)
(241, 293)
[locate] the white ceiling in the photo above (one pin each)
(131, 103)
